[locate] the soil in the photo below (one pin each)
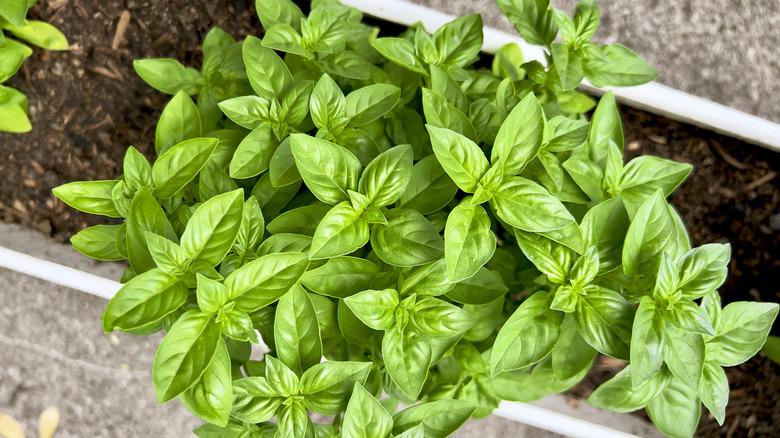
(87, 105)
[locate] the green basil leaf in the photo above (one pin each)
(620, 395)
(342, 231)
(647, 342)
(439, 112)
(408, 239)
(145, 215)
(460, 157)
(266, 279)
(98, 242)
(180, 164)
(483, 288)
(616, 65)
(386, 177)
(255, 400)
(89, 196)
(407, 357)
(549, 257)
(676, 411)
(211, 294)
(367, 104)
(144, 300)
(400, 52)
(326, 386)
(179, 121)
(741, 331)
(714, 390)
(703, 269)
(168, 75)
(568, 64)
(213, 228)
(426, 280)
(527, 336)
(429, 188)
(137, 171)
(285, 38)
(604, 319)
(605, 126)
(250, 232)
(520, 136)
(184, 354)
(468, 241)
(439, 418)
(328, 105)
(684, 356)
(571, 353)
(438, 318)
(643, 176)
(167, 255)
(327, 169)
(211, 399)
(301, 220)
(253, 155)
(459, 41)
(533, 19)
(293, 420)
(341, 277)
(296, 331)
(375, 308)
(528, 206)
(365, 416)
(267, 73)
(273, 12)
(651, 232)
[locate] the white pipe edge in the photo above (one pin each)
(653, 97)
(104, 288)
(58, 274)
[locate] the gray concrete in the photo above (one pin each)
(725, 50)
(53, 352)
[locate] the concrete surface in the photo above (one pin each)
(724, 50)
(53, 352)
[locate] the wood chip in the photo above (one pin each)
(657, 139)
(727, 157)
(121, 28)
(102, 71)
(760, 181)
(633, 146)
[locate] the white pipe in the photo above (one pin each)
(555, 422)
(59, 274)
(105, 288)
(654, 96)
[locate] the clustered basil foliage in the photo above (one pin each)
(444, 236)
(13, 103)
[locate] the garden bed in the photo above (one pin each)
(87, 106)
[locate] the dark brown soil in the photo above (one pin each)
(87, 106)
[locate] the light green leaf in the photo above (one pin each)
(527, 336)
(460, 157)
(184, 354)
(365, 417)
(342, 231)
(213, 228)
(264, 280)
(145, 299)
(180, 164)
(468, 241)
(327, 169)
(296, 331)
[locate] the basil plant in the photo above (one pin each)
(409, 239)
(13, 103)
